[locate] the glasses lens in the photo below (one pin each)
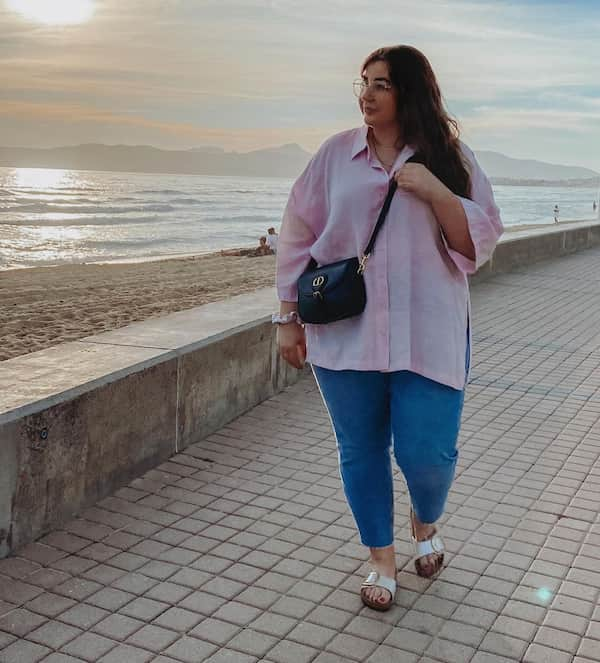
(358, 87)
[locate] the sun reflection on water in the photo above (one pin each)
(41, 178)
(37, 235)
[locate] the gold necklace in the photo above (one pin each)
(386, 164)
(381, 144)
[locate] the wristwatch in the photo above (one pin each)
(278, 319)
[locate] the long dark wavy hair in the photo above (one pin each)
(424, 121)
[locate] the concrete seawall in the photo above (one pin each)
(525, 247)
(81, 419)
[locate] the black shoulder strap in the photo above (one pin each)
(416, 158)
(384, 210)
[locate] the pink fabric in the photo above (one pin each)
(417, 311)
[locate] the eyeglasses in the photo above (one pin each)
(379, 85)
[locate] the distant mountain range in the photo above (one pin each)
(284, 161)
(500, 167)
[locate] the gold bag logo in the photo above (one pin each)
(318, 281)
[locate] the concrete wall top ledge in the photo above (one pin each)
(39, 380)
(550, 229)
(189, 330)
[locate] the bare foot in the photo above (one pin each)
(383, 560)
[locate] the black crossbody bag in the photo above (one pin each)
(337, 291)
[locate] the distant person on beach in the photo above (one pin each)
(261, 250)
(555, 213)
(396, 373)
(594, 205)
(272, 238)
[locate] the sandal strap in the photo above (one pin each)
(375, 579)
(430, 546)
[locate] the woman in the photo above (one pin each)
(397, 371)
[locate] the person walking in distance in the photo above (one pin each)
(392, 377)
(272, 238)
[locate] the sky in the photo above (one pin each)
(521, 77)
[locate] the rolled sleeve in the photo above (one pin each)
(304, 211)
(483, 219)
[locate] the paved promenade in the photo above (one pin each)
(241, 548)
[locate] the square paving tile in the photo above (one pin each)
(287, 651)
(23, 651)
(127, 653)
(110, 599)
(50, 605)
(118, 627)
(89, 647)
(83, 615)
(20, 622)
(153, 637)
(190, 650)
(54, 634)
(144, 609)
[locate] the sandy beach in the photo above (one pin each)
(44, 306)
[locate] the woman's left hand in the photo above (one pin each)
(418, 179)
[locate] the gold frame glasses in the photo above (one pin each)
(379, 85)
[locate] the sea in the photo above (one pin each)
(53, 217)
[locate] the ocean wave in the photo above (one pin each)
(63, 190)
(82, 221)
(124, 243)
(44, 208)
(163, 192)
(22, 201)
(186, 201)
(259, 192)
(236, 218)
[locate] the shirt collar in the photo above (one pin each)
(360, 144)
(360, 140)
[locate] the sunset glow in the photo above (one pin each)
(57, 12)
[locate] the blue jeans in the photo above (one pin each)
(369, 410)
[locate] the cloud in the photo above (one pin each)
(522, 119)
(242, 70)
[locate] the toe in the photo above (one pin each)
(377, 596)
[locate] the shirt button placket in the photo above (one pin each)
(381, 319)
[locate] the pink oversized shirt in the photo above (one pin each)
(418, 309)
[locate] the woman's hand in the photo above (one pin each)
(291, 340)
(447, 208)
(418, 179)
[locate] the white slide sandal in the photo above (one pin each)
(375, 579)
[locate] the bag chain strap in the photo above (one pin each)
(384, 210)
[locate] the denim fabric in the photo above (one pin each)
(372, 412)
